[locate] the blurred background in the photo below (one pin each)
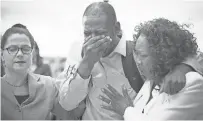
(57, 24)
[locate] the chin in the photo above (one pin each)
(20, 69)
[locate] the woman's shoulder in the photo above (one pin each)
(46, 80)
(45, 66)
(45, 83)
(194, 78)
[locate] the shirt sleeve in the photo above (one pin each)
(73, 88)
(131, 114)
(58, 110)
(196, 62)
(187, 104)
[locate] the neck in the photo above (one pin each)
(113, 45)
(152, 85)
(14, 78)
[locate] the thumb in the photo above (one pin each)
(162, 87)
(126, 95)
(125, 92)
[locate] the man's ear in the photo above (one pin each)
(118, 29)
(2, 58)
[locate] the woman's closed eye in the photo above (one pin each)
(144, 55)
(140, 54)
(12, 48)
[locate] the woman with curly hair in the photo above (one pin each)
(160, 45)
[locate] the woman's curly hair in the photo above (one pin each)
(170, 43)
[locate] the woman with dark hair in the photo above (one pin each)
(25, 95)
(160, 45)
(38, 66)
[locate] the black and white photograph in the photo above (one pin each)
(129, 60)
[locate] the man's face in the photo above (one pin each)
(99, 25)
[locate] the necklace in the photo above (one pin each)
(16, 85)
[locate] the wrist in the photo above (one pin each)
(185, 68)
(85, 68)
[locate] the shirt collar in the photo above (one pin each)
(120, 48)
(33, 85)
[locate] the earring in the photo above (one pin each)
(3, 63)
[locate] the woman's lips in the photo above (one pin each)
(20, 62)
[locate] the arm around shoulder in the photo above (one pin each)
(196, 62)
(188, 103)
(73, 89)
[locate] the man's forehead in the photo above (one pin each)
(95, 21)
(101, 17)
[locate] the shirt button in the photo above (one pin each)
(18, 109)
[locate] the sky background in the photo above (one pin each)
(57, 24)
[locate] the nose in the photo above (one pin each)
(19, 53)
(138, 61)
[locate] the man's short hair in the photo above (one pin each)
(20, 26)
(101, 8)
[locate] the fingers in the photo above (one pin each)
(102, 46)
(125, 92)
(104, 99)
(165, 87)
(110, 108)
(171, 88)
(167, 84)
(126, 95)
(177, 85)
(97, 44)
(182, 85)
(101, 42)
(107, 93)
(113, 90)
(90, 40)
(96, 41)
(87, 39)
(173, 84)
(177, 88)
(101, 49)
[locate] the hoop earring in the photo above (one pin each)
(3, 63)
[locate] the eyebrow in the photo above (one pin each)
(101, 29)
(97, 30)
(18, 45)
